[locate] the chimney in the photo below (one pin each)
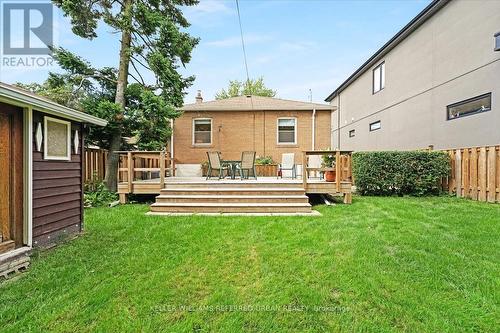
(198, 97)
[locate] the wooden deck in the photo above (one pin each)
(147, 173)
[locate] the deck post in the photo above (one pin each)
(162, 169)
(304, 170)
(130, 171)
(337, 170)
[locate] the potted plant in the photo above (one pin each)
(265, 166)
(328, 162)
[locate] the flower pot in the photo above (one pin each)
(330, 176)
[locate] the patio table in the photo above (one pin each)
(233, 164)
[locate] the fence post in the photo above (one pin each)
(458, 172)
(492, 167)
(130, 171)
(482, 174)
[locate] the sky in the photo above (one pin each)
(296, 45)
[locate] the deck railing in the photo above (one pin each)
(145, 165)
(342, 167)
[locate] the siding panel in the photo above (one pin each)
(57, 197)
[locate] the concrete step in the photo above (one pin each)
(259, 198)
(231, 207)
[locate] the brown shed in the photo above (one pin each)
(41, 183)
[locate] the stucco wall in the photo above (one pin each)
(448, 59)
(237, 131)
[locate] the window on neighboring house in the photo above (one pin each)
(379, 78)
(497, 41)
(287, 131)
(352, 133)
(57, 139)
(469, 107)
(202, 131)
(375, 126)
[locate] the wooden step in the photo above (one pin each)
(232, 183)
(7, 246)
(233, 191)
(231, 207)
(164, 198)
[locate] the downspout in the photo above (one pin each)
(313, 129)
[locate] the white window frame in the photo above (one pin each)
(68, 139)
(377, 123)
(211, 132)
(278, 131)
(380, 78)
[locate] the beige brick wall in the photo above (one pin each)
(237, 131)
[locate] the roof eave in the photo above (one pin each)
(416, 22)
(49, 107)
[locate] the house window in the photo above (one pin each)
(352, 133)
(497, 41)
(202, 131)
(379, 78)
(287, 131)
(375, 126)
(469, 107)
(57, 139)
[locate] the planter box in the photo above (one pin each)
(268, 170)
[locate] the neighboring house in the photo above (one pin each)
(41, 187)
(436, 82)
(268, 126)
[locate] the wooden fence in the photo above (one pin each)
(475, 173)
(95, 164)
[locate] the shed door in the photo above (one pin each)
(10, 178)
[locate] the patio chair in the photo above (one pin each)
(287, 164)
(314, 166)
(214, 163)
(247, 164)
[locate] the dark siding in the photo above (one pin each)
(57, 191)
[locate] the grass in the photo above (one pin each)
(379, 265)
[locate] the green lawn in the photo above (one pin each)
(380, 264)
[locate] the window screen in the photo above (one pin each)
(286, 130)
(202, 131)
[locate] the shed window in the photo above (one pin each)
(57, 139)
(497, 41)
(379, 78)
(469, 107)
(287, 131)
(202, 131)
(375, 126)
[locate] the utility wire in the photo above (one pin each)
(243, 43)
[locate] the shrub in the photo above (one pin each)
(264, 160)
(96, 194)
(399, 172)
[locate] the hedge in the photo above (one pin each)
(415, 173)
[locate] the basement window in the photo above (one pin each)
(379, 78)
(287, 131)
(202, 131)
(497, 41)
(375, 126)
(57, 141)
(352, 133)
(469, 107)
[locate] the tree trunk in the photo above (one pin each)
(115, 144)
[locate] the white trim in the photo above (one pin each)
(211, 132)
(26, 99)
(278, 131)
(68, 139)
(28, 176)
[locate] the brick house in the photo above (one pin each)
(268, 126)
